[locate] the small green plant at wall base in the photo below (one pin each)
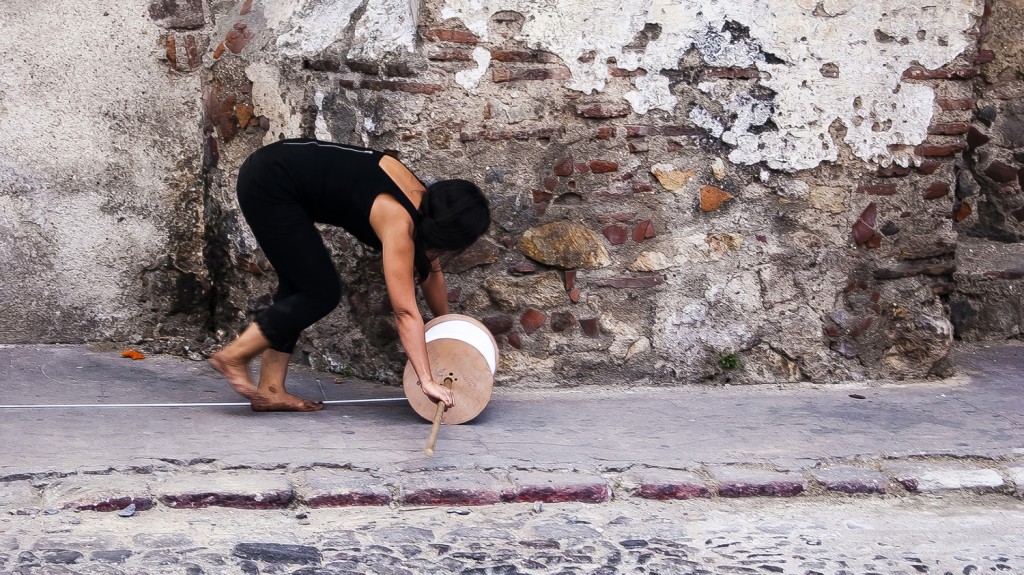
(730, 361)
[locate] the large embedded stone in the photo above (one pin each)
(539, 290)
(566, 245)
(482, 252)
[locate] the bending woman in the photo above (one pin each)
(284, 189)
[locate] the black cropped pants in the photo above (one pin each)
(308, 284)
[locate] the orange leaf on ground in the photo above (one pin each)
(132, 354)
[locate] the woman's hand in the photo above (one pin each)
(438, 393)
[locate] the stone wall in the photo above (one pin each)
(683, 192)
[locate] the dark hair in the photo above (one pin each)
(453, 214)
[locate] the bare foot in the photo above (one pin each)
(236, 373)
(283, 402)
(438, 393)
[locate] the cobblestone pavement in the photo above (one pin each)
(957, 534)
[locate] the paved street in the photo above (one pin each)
(954, 535)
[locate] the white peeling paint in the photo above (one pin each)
(320, 124)
(470, 79)
(312, 26)
(387, 26)
(788, 43)
(269, 101)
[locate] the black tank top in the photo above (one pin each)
(336, 183)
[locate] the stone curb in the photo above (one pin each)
(329, 487)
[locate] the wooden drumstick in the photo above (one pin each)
(432, 440)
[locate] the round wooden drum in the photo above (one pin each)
(463, 355)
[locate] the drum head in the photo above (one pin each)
(470, 376)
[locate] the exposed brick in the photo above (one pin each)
(642, 187)
(450, 488)
(603, 166)
(894, 171)
(631, 282)
(450, 55)
(590, 327)
(955, 104)
(949, 128)
(498, 324)
(171, 51)
(878, 190)
(540, 197)
(962, 212)
(347, 83)
(1001, 172)
(604, 133)
(985, 57)
(919, 73)
(639, 147)
(733, 482)
(561, 321)
(906, 270)
(454, 294)
(238, 37)
(246, 7)
(731, 73)
(976, 138)
(449, 35)
(574, 295)
(675, 131)
(523, 267)
(638, 131)
(400, 86)
(550, 183)
(938, 151)
(336, 488)
(503, 135)
(525, 56)
(362, 67)
(191, 52)
(617, 72)
(548, 487)
(851, 480)
(532, 320)
(668, 484)
(564, 167)
(570, 279)
(218, 51)
(528, 74)
(929, 167)
(602, 110)
(616, 234)
(515, 340)
(244, 491)
(936, 191)
(643, 231)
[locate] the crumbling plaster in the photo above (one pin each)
(867, 44)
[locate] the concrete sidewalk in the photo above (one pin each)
(965, 432)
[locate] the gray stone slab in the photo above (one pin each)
(550, 487)
(99, 493)
(740, 482)
(452, 488)
(225, 489)
(1017, 477)
(339, 488)
(18, 495)
(934, 477)
(851, 480)
(666, 484)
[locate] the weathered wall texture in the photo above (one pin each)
(683, 191)
(100, 186)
